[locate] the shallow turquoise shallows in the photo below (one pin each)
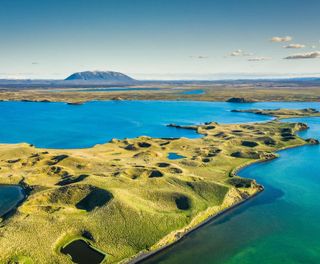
(59, 125)
(281, 225)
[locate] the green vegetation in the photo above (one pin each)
(246, 91)
(126, 197)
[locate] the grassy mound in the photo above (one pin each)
(210, 191)
(241, 182)
(69, 180)
(85, 197)
(96, 198)
(182, 202)
(250, 144)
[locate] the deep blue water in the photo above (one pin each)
(10, 196)
(59, 125)
(281, 225)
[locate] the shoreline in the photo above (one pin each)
(140, 257)
(25, 190)
(178, 99)
(144, 256)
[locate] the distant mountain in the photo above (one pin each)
(100, 76)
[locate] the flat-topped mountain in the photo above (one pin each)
(100, 76)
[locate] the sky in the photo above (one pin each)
(160, 39)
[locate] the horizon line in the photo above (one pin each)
(173, 76)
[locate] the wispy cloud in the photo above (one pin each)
(240, 53)
(294, 46)
(281, 39)
(199, 57)
(259, 59)
(307, 55)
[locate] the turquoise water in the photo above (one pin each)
(59, 125)
(175, 156)
(10, 196)
(281, 225)
(194, 92)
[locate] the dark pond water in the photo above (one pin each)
(10, 197)
(82, 253)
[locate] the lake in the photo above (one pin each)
(10, 197)
(59, 125)
(281, 225)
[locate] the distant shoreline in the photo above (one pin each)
(264, 91)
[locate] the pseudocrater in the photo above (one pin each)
(96, 198)
(82, 253)
(81, 196)
(182, 202)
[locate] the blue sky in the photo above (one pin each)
(160, 39)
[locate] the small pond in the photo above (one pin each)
(82, 253)
(10, 197)
(174, 156)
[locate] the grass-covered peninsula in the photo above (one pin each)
(125, 197)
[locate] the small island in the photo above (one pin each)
(240, 100)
